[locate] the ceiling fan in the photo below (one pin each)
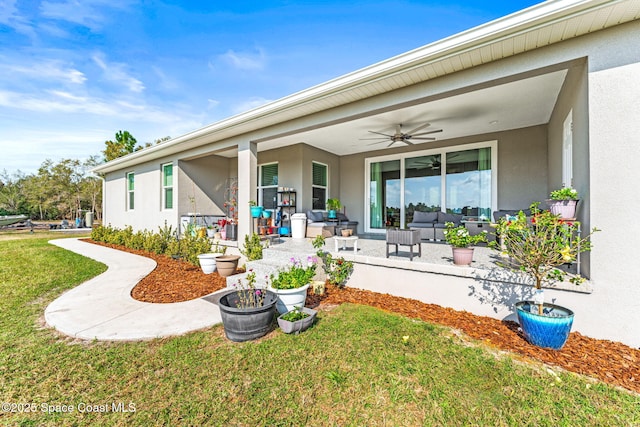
(405, 137)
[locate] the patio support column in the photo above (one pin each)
(247, 186)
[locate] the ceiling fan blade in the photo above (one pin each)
(392, 142)
(407, 142)
(424, 138)
(371, 139)
(427, 133)
(418, 128)
(380, 133)
(374, 143)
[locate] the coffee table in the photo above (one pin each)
(344, 241)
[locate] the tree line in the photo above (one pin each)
(62, 190)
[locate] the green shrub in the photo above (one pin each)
(163, 242)
(252, 247)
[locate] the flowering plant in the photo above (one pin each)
(537, 246)
(296, 275)
(249, 296)
(231, 201)
(566, 193)
(460, 237)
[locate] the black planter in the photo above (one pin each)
(245, 324)
(231, 231)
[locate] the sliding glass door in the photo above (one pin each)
(384, 194)
(459, 179)
(468, 179)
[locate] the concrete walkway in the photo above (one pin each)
(103, 309)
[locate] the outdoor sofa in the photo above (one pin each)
(432, 224)
(318, 223)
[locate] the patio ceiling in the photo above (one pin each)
(518, 104)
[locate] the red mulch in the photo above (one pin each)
(611, 362)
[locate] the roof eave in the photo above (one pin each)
(510, 25)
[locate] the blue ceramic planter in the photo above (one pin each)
(549, 330)
(256, 211)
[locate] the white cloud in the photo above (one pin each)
(46, 70)
(245, 60)
(212, 103)
(87, 13)
(11, 17)
(116, 73)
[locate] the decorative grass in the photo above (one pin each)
(355, 366)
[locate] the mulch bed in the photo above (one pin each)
(611, 362)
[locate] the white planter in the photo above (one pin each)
(288, 299)
(211, 233)
(208, 262)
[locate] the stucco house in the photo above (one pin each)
(542, 98)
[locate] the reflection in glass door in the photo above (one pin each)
(468, 183)
(384, 194)
(422, 185)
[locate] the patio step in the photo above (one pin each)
(272, 261)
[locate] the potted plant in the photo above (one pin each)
(247, 312)
(332, 206)
(563, 202)
(256, 210)
(537, 246)
(208, 260)
(227, 264)
(297, 320)
(291, 284)
(460, 240)
(212, 230)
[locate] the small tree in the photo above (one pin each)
(537, 246)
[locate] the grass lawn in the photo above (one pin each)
(352, 368)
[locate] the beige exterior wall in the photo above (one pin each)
(603, 91)
(147, 213)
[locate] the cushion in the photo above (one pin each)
(447, 217)
(315, 216)
(424, 216)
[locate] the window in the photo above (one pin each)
(130, 188)
(267, 185)
(167, 186)
(318, 186)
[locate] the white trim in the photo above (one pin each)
(567, 150)
(493, 144)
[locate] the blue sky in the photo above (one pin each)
(73, 72)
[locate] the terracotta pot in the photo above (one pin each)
(346, 232)
(462, 256)
(227, 264)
